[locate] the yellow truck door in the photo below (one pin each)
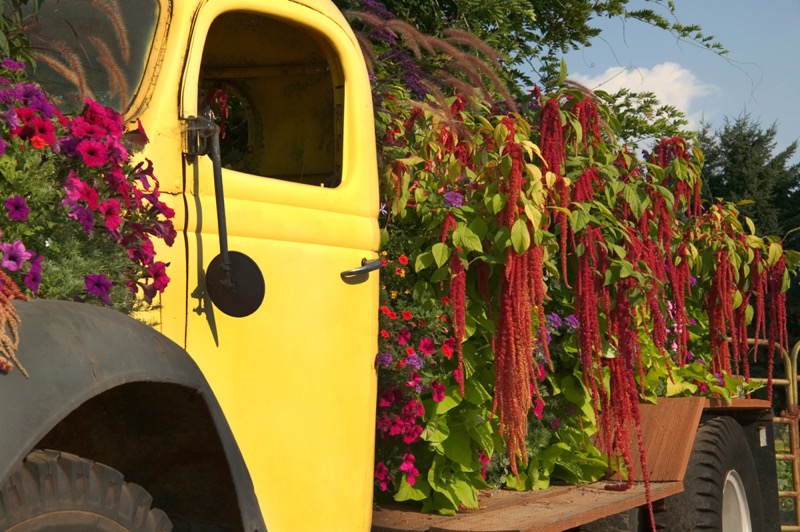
(287, 85)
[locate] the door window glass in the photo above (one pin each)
(272, 87)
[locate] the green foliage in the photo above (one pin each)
(537, 32)
(78, 217)
(741, 166)
(445, 205)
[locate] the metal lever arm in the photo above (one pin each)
(364, 269)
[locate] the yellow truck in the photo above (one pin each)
(251, 405)
(259, 409)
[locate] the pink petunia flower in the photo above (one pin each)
(382, 476)
(93, 152)
(438, 390)
(110, 209)
(403, 336)
(538, 408)
(14, 255)
(158, 271)
(426, 346)
(408, 468)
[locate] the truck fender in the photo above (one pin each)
(74, 352)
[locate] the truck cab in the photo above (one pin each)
(260, 125)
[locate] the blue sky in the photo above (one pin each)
(760, 74)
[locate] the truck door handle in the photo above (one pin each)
(360, 274)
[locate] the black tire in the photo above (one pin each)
(54, 491)
(719, 449)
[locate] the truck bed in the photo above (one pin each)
(668, 429)
(551, 510)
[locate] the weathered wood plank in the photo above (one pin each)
(550, 510)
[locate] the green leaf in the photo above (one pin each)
(452, 398)
(458, 449)
(466, 494)
(465, 238)
(441, 274)
(520, 238)
(562, 73)
(678, 387)
(533, 214)
(440, 254)
(479, 430)
(496, 203)
(418, 492)
(573, 390)
(750, 225)
(436, 430)
(775, 252)
(479, 227)
(580, 219)
(475, 393)
(424, 260)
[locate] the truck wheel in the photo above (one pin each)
(54, 491)
(721, 489)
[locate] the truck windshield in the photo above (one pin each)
(91, 48)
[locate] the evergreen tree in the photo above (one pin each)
(742, 166)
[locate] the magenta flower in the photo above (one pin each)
(93, 152)
(34, 276)
(110, 210)
(403, 336)
(80, 213)
(448, 347)
(158, 271)
(14, 255)
(12, 65)
(414, 380)
(408, 468)
(82, 129)
(99, 286)
(390, 396)
(17, 209)
(144, 253)
(438, 391)
(382, 476)
(538, 408)
(426, 346)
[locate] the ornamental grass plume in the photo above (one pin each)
(9, 325)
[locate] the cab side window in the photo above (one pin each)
(276, 91)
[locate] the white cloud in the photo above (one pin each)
(672, 84)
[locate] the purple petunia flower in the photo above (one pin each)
(34, 276)
(453, 199)
(17, 209)
(14, 255)
(80, 213)
(99, 286)
(2, 147)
